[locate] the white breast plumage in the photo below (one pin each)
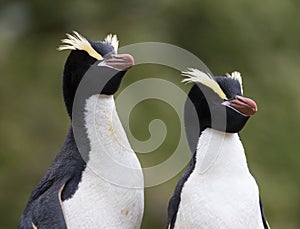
(110, 194)
(220, 192)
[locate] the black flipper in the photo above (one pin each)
(44, 208)
(266, 225)
(175, 199)
(48, 212)
(264, 220)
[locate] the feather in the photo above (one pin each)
(113, 41)
(76, 41)
(236, 76)
(197, 76)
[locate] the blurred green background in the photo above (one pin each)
(259, 38)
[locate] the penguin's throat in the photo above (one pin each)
(111, 156)
(102, 120)
(219, 153)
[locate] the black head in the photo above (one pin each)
(218, 101)
(84, 54)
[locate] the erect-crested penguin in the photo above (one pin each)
(217, 190)
(79, 189)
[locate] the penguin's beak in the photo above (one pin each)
(119, 61)
(242, 105)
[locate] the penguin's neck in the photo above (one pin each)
(103, 125)
(111, 156)
(110, 193)
(220, 154)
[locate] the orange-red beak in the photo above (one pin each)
(243, 105)
(119, 61)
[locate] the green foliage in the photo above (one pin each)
(258, 38)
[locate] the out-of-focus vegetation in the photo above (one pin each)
(258, 38)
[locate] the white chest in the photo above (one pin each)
(99, 204)
(220, 193)
(110, 194)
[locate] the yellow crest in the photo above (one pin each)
(76, 41)
(113, 41)
(236, 76)
(197, 76)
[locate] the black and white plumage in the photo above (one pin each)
(217, 190)
(72, 194)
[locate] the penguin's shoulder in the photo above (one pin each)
(65, 170)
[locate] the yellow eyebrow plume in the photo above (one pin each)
(236, 76)
(113, 41)
(197, 76)
(76, 41)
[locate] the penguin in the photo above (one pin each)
(217, 189)
(81, 188)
